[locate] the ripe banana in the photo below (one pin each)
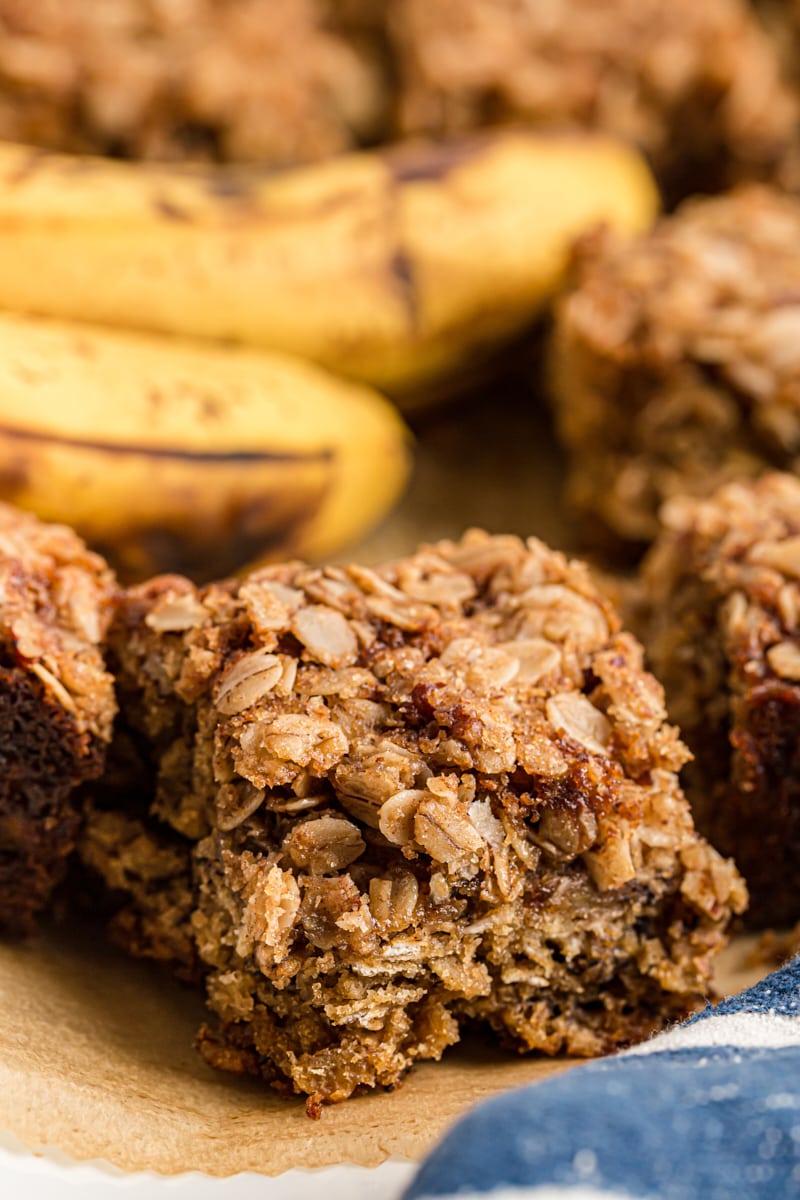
(174, 456)
(397, 268)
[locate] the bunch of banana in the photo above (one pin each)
(399, 268)
(171, 455)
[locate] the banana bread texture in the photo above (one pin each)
(722, 587)
(56, 702)
(436, 792)
(676, 361)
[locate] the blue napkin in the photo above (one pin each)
(709, 1110)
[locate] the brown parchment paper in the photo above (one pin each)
(96, 1051)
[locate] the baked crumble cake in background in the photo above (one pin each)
(676, 361)
(413, 797)
(722, 619)
(697, 87)
(186, 79)
(56, 703)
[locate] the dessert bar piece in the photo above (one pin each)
(436, 792)
(56, 702)
(272, 81)
(676, 360)
(146, 885)
(722, 586)
(697, 86)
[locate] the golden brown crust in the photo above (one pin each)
(437, 791)
(56, 702)
(722, 584)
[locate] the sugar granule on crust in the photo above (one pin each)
(437, 791)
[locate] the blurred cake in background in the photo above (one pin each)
(676, 361)
(722, 590)
(697, 86)
(272, 81)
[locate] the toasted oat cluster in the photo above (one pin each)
(723, 589)
(56, 702)
(676, 360)
(435, 792)
(274, 81)
(697, 86)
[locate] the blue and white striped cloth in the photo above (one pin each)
(709, 1110)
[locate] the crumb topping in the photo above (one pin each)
(439, 790)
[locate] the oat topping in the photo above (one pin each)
(406, 804)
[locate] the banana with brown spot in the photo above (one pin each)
(170, 455)
(400, 267)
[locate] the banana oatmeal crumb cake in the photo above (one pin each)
(56, 702)
(436, 792)
(697, 86)
(722, 585)
(272, 81)
(676, 360)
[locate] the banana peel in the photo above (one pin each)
(398, 268)
(173, 456)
